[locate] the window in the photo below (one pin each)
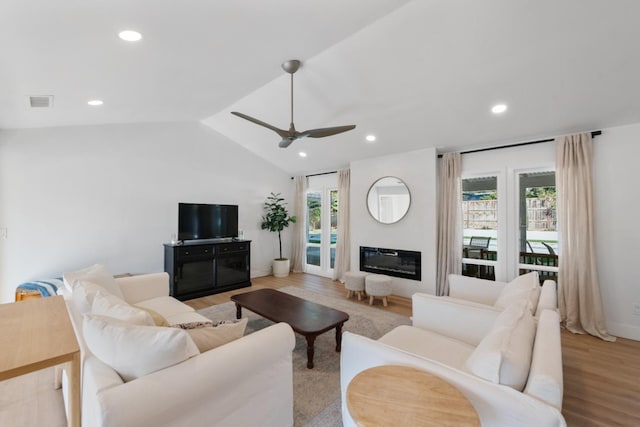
(538, 233)
(480, 226)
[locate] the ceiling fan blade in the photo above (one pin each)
(286, 142)
(322, 132)
(281, 132)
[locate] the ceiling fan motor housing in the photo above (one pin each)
(291, 66)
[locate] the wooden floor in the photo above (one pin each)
(601, 379)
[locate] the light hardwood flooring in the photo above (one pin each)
(601, 379)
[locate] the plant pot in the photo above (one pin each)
(280, 267)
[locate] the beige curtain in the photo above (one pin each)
(343, 240)
(298, 255)
(449, 259)
(578, 290)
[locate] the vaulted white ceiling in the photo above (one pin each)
(420, 73)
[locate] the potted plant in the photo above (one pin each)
(276, 219)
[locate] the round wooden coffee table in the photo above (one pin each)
(405, 396)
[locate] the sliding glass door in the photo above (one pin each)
(538, 233)
(480, 224)
(322, 222)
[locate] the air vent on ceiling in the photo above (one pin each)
(41, 101)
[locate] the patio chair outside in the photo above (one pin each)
(479, 242)
(549, 248)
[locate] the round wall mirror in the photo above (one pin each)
(388, 200)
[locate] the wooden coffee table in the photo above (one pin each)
(305, 317)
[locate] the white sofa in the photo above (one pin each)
(447, 334)
(244, 382)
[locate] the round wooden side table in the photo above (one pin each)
(404, 396)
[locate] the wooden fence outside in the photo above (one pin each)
(483, 215)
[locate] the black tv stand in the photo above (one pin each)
(205, 241)
(198, 268)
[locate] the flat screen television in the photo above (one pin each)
(198, 221)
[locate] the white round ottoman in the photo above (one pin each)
(378, 286)
(354, 283)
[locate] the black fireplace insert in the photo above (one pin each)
(392, 262)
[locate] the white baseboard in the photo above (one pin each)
(260, 273)
(623, 330)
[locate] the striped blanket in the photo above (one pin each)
(47, 287)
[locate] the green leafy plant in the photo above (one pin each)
(276, 217)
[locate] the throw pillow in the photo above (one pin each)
(97, 274)
(84, 294)
(158, 319)
(135, 351)
(106, 304)
(193, 325)
(522, 287)
(210, 337)
(504, 355)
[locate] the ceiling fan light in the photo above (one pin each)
(370, 138)
(302, 154)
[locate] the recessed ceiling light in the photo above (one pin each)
(95, 102)
(302, 154)
(499, 108)
(370, 138)
(130, 35)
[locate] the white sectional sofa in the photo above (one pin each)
(505, 361)
(245, 382)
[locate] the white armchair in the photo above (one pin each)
(494, 294)
(448, 338)
(480, 291)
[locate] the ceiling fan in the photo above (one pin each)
(288, 136)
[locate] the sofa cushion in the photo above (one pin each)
(504, 355)
(135, 351)
(194, 325)
(187, 318)
(106, 304)
(97, 274)
(429, 344)
(166, 306)
(158, 319)
(83, 294)
(210, 337)
(526, 286)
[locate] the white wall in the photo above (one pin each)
(74, 196)
(416, 231)
(617, 226)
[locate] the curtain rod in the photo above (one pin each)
(318, 174)
(519, 144)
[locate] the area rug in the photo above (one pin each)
(316, 392)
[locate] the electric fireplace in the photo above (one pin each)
(392, 262)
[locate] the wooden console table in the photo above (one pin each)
(37, 334)
(405, 396)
